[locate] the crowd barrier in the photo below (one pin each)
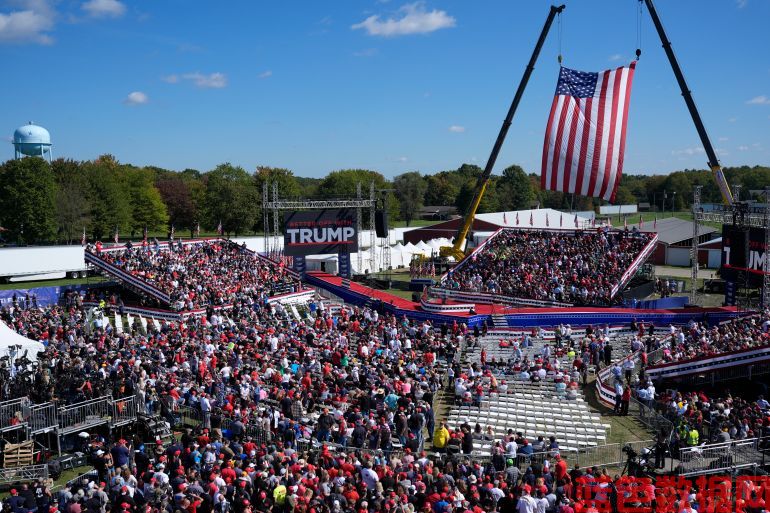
(27, 473)
(725, 457)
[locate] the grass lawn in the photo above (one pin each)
(52, 283)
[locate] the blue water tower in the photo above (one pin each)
(33, 141)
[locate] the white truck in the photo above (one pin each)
(42, 263)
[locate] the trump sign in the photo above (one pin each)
(320, 232)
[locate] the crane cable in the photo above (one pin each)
(558, 23)
(639, 14)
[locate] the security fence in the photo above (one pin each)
(724, 457)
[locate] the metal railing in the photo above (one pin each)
(649, 417)
(86, 414)
(42, 417)
(723, 457)
(8, 410)
(10, 476)
(123, 411)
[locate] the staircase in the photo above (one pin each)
(499, 321)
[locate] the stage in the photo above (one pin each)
(513, 317)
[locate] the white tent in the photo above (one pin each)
(9, 339)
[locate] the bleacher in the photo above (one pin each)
(533, 408)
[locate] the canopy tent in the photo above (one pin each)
(12, 344)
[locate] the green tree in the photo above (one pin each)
(28, 200)
(73, 205)
(514, 189)
(410, 191)
(182, 195)
(288, 187)
(147, 207)
(109, 197)
(343, 183)
(231, 199)
(441, 189)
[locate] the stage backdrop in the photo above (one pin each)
(320, 232)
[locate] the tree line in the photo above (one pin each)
(56, 202)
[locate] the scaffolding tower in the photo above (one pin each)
(275, 207)
(727, 214)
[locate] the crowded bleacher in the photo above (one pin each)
(204, 273)
(697, 340)
(550, 266)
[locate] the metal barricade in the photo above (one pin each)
(601, 455)
(8, 413)
(42, 418)
(80, 416)
(721, 457)
(123, 411)
(649, 417)
(9, 476)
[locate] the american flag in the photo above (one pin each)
(219, 228)
(144, 233)
(83, 238)
(117, 235)
(197, 229)
(586, 133)
(531, 219)
(517, 219)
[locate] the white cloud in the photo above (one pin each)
(171, 79)
(30, 24)
(759, 100)
(457, 129)
(104, 8)
(741, 3)
(211, 81)
(136, 98)
(265, 74)
(743, 147)
(402, 159)
(410, 19)
(688, 151)
(723, 139)
(615, 57)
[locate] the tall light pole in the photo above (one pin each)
(673, 203)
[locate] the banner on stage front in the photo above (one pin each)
(320, 232)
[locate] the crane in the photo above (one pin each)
(456, 250)
(713, 161)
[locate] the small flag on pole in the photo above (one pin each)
(144, 233)
(197, 229)
(173, 232)
(655, 223)
(117, 236)
(505, 218)
(641, 222)
(219, 227)
(561, 220)
(531, 219)
(625, 222)
(83, 238)
(517, 219)
(546, 220)
(576, 221)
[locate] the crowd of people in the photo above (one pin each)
(330, 415)
(202, 273)
(548, 266)
(696, 340)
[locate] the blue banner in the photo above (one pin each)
(43, 295)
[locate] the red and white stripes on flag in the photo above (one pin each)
(586, 133)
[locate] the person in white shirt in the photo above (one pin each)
(526, 503)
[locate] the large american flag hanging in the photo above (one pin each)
(586, 134)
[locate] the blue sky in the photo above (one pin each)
(386, 85)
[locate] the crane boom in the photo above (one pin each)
(481, 185)
(713, 162)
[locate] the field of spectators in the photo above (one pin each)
(581, 268)
(206, 273)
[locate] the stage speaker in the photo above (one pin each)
(381, 223)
